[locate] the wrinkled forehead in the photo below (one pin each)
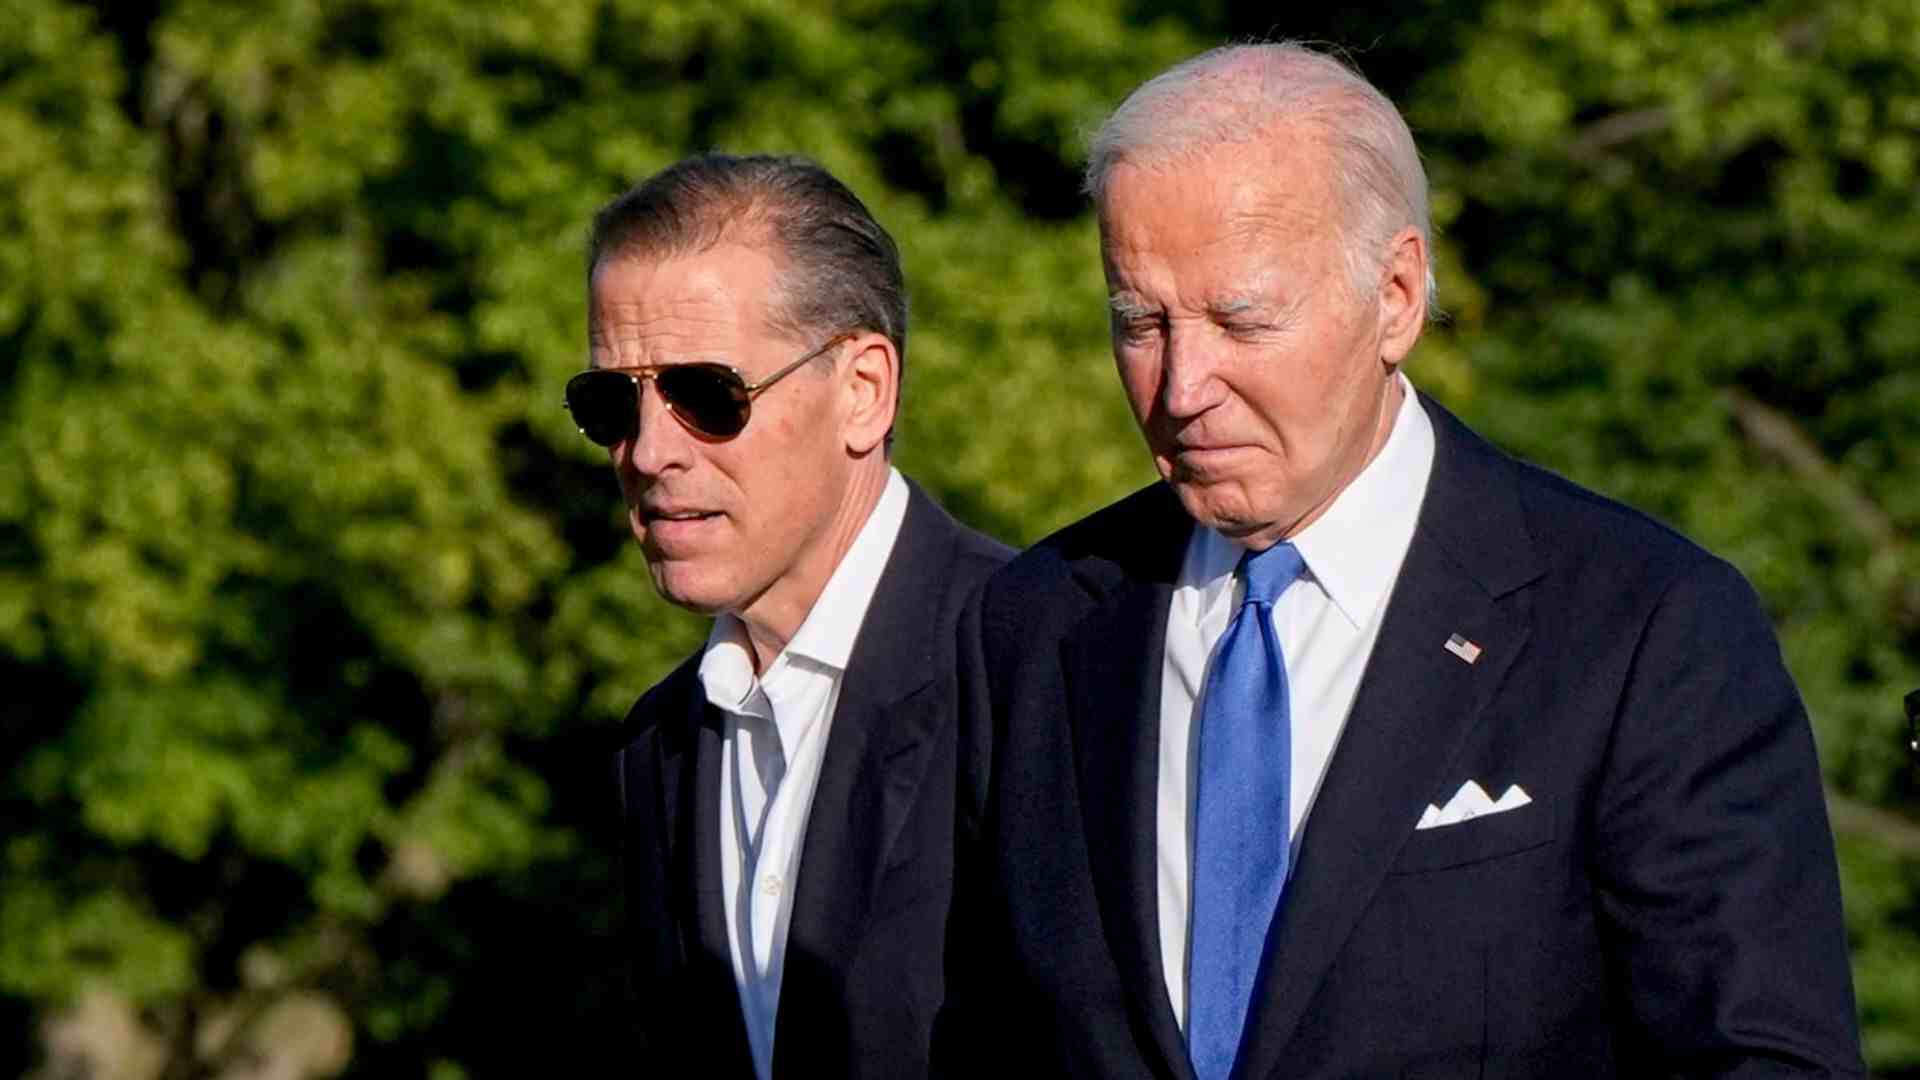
(726, 284)
(706, 305)
(1224, 218)
(1282, 179)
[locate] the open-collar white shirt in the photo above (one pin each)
(775, 739)
(1327, 622)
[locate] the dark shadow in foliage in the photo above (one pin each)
(131, 25)
(16, 1036)
(230, 899)
(528, 961)
(581, 495)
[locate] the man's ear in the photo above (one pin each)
(1403, 295)
(871, 385)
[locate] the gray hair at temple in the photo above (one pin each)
(840, 268)
(1237, 93)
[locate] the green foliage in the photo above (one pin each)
(316, 612)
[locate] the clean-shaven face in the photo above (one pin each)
(1253, 368)
(724, 523)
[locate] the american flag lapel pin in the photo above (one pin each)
(1462, 648)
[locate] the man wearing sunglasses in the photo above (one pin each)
(787, 793)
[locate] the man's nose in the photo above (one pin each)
(1188, 383)
(659, 443)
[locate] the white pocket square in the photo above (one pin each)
(1470, 802)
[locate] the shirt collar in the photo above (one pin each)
(1354, 550)
(726, 668)
(827, 635)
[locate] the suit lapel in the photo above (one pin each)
(888, 713)
(670, 757)
(1463, 574)
(711, 981)
(1113, 666)
(867, 786)
(673, 778)
(659, 901)
(710, 945)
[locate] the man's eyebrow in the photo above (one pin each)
(1264, 305)
(1129, 307)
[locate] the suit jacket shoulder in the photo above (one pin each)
(1140, 538)
(1584, 531)
(936, 566)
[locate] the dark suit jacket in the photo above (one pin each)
(863, 972)
(1667, 905)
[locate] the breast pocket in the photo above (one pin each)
(1490, 836)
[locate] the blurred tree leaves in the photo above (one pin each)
(315, 611)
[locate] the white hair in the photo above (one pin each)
(1238, 93)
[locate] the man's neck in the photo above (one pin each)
(1392, 395)
(776, 615)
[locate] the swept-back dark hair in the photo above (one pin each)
(840, 271)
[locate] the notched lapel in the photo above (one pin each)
(662, 782)
(691, 775)
(1113, 665)
(710, 944)
(875, 762)
(669, 756)
(888, 719)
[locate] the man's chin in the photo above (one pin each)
(1227, 514)
(1205, 504)
(685, 587)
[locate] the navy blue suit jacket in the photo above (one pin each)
(863, 975)
(1668, 904)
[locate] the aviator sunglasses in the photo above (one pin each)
(711, 399)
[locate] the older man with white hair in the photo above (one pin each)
(1355, 747)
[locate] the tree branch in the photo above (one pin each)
(1892, 831)
(1775, 432)
(1801, 38)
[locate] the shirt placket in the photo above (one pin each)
(756, 830)
(786, 700)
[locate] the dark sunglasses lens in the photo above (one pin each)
(603, 405)
(709, 399)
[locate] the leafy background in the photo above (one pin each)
(316, 614)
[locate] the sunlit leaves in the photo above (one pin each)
(317, 601)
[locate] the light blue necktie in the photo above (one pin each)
(1240, 847)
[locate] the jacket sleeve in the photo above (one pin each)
(1719, 898)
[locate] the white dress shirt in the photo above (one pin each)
(776, 735)
(1327, 624)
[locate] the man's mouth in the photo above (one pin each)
(1203, 451)
(652, 516)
